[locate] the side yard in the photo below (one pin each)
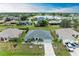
(59, 48)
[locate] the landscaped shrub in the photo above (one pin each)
(26, 28)
(13, 39)
(23, 28)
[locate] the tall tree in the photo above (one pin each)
(43, 23)
(76, 23)
(23, 18)
(65, 23)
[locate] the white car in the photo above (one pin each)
(69, 47)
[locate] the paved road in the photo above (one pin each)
(48, 49)
(75, 52)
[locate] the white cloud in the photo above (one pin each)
(74, 9)
(17, 7)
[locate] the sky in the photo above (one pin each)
(40, 7)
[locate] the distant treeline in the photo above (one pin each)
(32, 14)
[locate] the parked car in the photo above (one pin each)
(69, 47)
(75, 45)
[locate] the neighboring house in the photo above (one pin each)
(10, 18)
(2, 21)
(48, 17)
(24, 23)
(38, 34)
(14, 22)
(10, 33)
(11, 22)
(55, 22)
(40, 17)
(67, 35)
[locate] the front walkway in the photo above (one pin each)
(48, 48)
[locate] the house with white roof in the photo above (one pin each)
(55, 22)
(2, 21)
(48, 17)
(67, 35)
(10, 33)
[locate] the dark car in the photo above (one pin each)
(75, 45)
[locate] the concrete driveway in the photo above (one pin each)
(48, 48)
(75, 52)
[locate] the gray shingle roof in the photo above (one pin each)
(38, 33)
(10, 33)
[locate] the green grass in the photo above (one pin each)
(41, 28)
(54, 27)
(21, 38)
(7, 49)
(59, 48)
(31, 27)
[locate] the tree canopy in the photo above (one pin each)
(43, 23)
(65, 23)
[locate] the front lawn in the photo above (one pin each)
(7, 49)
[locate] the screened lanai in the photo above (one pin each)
(43, 34)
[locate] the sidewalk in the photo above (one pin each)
(48, 49)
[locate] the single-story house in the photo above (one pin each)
(9, 18)
(40, 18)
(55, 22)
(14, 22)
(67, 35)
(24, 23)
(1, 21)
(11, 22)
(10, 33)
(38, 34)
(48, 17)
